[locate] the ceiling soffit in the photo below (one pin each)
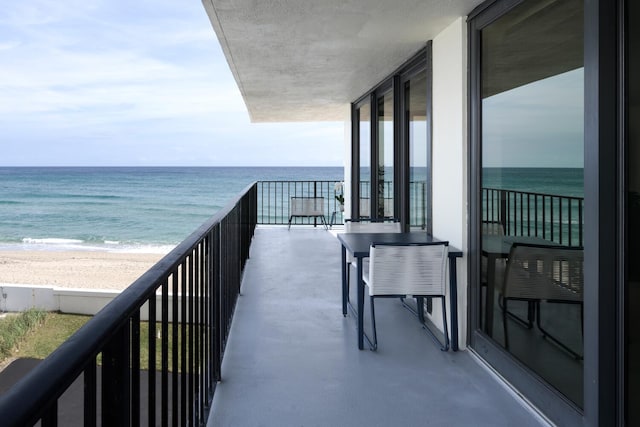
(306, 61)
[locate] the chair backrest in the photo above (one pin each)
(411, 269)
(307, 206)
(365, 208)
(492, 228)
(365, 205)
(544, 272)
(367, 226)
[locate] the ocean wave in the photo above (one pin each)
(91, 245)
(51, 241)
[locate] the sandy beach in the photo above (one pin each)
(88, 270)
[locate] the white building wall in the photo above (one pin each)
(17, 298)
(449, 151)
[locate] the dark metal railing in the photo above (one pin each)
(550, 216)
(197, 284)
(274, 200)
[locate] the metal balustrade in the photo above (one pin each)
(550, 216)
(274, 201)
(198, 284)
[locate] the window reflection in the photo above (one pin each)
(385, 156)
(532, 189)
(416, 127)
(364, 113)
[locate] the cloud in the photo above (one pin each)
(126, 82)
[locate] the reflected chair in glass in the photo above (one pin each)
(366, 226)
(491, 228)
(537, 273)
(408, 271)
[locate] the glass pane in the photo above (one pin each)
(532, 189)
(633, 233)
(364, 114)
(416, 127)
(385, 156)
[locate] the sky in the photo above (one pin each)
(133, 83)
(540, 124)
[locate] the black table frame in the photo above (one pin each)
(358, 244)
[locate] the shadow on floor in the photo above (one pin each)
(70, 405)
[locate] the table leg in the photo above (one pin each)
(420, 308)
(344, 282)
(360, 305)
(491, 286)
(453, 303)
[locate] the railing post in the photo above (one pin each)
(116, 401)
(503, 210)
(315, 194)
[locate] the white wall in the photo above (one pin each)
(450, 153)
(449, 161)
(17, 298)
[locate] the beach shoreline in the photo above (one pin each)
(75, 269)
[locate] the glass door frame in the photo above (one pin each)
(420, 62)
(604, 243)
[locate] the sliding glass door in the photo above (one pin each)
(632, 236)
(416, 133)
(528, 151)
(363, 119)
(385, 156)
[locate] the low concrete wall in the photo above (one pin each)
(16, 298)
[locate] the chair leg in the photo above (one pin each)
(444, 322)
(546, 334)
(530, 313)
(504, 323)
(373, 345)
(445, 346)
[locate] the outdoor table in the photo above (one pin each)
(358, 244)
(496, 247)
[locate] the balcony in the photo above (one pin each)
(292, 358)
(288, 358)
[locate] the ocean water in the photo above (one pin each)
(557, 181)
(153, 209)
(122, 209)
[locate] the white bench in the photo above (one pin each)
(307, 207)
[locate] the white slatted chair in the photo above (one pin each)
(408, 271)
(538, 273)
(307, 207)
(366, 226)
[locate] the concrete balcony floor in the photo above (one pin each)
(292, 358)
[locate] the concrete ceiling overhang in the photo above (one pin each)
(296, 60)
(540, 39)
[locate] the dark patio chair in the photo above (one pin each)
(537, 273)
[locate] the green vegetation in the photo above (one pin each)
(14, 328)
(56, 328)
(49, 330)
